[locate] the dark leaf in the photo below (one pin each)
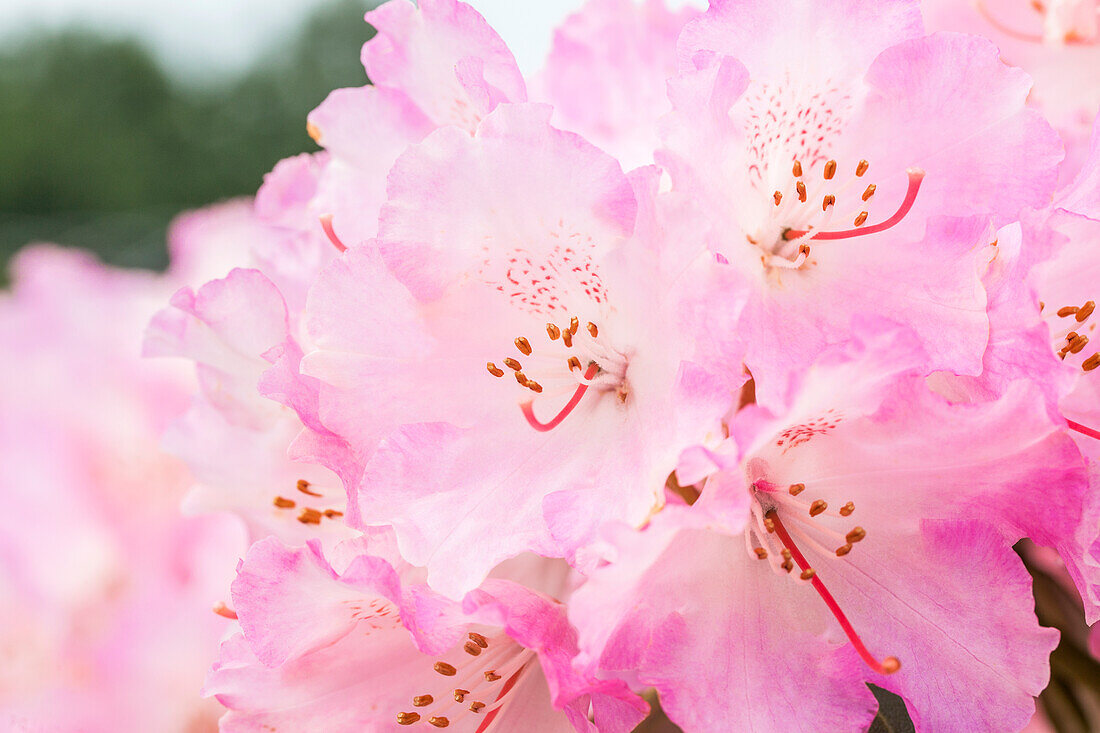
(892, 716)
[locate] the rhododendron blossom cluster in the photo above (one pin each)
(725, 362)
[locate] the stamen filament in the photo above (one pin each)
(542, 427)
(916, 177)
(508, 685)
(1083, 429)
(888, 665)
(326, 224)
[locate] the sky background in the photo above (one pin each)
(213, 37)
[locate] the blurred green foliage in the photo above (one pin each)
(100, 148)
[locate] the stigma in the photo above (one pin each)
(806, 209)
(560, 367)
(474, 683)
(782, 515)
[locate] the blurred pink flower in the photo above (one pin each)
(105, 591)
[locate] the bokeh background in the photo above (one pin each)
(114, 117)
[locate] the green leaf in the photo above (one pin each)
(892, 715)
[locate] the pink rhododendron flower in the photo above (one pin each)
(543, 354)
(828, 161)
(860, 536)
(105, 591)
(359, 645)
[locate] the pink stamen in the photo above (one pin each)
(916, 177)
(1083, 429)
(326, 224)
(542, 427)
(889, 665)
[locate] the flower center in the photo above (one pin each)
(772, 540)
(472, 688)
(569, 361)
(804, 209)
(1063, 22)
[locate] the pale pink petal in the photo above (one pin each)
(960, 111)
(932, 286)
(1082, 196)
(208, 243)
(360, 683)
(924, 601)
(295, 247)
(561, 190)
(728, 644)
(364, 129)
(607, 71)
(290, 603)
(1061, 54)
(830, 39)
(246, 470)
(225, 327)
(428, 52)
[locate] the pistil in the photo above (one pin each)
(916, 177)
(1083, 429)
(888, 665)
(529, 413)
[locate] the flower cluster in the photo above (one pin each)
(729, 358)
